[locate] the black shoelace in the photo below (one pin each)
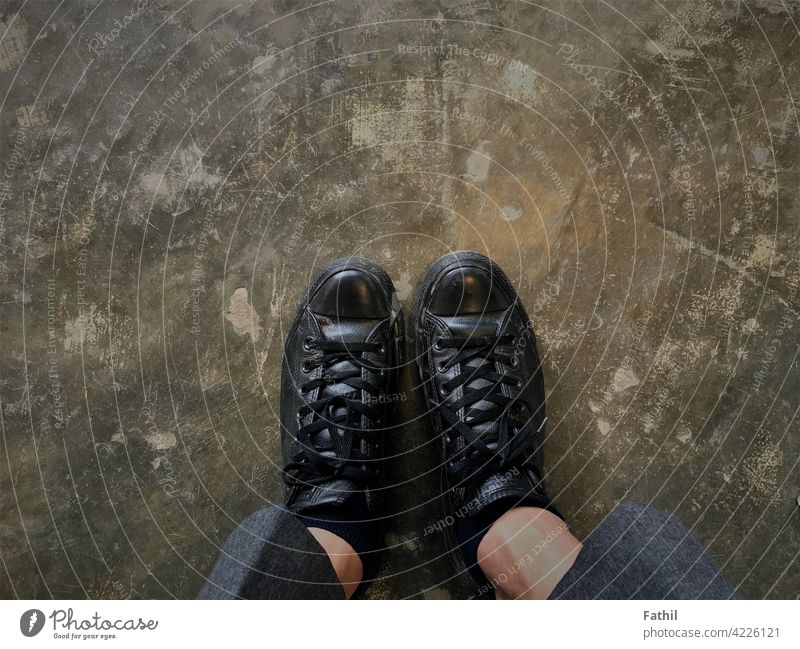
(484, 451)
(339, 414)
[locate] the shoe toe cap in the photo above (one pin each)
(467, 290)
(350, 293)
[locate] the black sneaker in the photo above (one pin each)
(339, 372)
(477, 359)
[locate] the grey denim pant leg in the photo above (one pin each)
(271, 555)
(640, 552)
(637, 552)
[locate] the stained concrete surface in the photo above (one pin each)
(173, 173)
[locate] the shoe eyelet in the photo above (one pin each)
(306, 367)
(438, 345)
(514, 361)
(518, 384)
(381, 349)
(307, 343)
(441, 366)
(444, 391)
(513, 340)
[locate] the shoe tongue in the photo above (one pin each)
(340, 331)
(469, 326)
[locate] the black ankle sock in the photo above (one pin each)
(353, 522)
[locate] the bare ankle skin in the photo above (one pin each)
(343, 557)
(526, 552)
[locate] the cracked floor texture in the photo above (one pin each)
(173, 173)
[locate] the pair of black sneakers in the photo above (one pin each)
(478, 366)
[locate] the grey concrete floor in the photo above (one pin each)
(173, 173)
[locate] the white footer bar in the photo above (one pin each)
(353, 625)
